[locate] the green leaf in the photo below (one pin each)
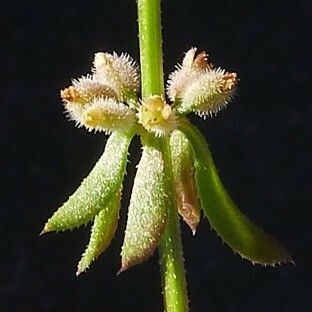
(95, 191)
(147, 210)
(102, 232)
(184, 180)
(235, 229)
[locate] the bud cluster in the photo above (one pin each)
(196, 86)
(99, 101)
(106, 100)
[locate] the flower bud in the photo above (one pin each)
(208, 93)
(156, 116)
(83, 91)
(190, 69)
(118, 72)
(107, 115)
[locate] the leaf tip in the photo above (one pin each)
(45, 230)
(193, 231)
(80, 270)
(81, 267)
(124, 267)
(288, 259)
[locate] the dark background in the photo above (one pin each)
(261, 145)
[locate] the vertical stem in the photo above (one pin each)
(152, 78)
(171, 254)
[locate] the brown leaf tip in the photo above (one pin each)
(123, 268)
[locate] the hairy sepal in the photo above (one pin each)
(97, 189)
(184, 180)
(147, 210)
(235, 229)
(102, 233)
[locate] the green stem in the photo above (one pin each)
(171, 254)
(152, 78)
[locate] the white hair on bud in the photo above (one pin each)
(106, 114)
(156, 116)
(120, 72)
(209, 93)
(88, 87)
(191, 68)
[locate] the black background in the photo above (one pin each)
(260, 143)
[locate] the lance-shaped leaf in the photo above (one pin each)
(102, 232)
(184, 180)
(235, 229)
(95, 191)
(147, 210)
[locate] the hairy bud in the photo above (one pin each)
(208, 93)
(85, 89)
(79, 96)
(156, 116)
(190, 69)
(118, 72)
(107, 115)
